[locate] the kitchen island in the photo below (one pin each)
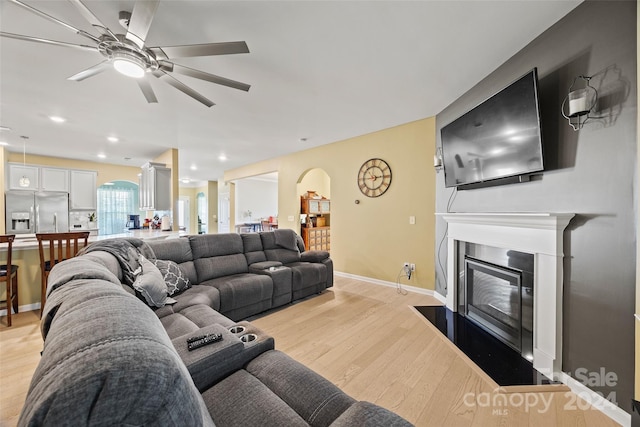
(27, 258)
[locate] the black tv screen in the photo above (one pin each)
(499, 138)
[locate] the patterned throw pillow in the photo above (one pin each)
(149, 284)
(173, 276)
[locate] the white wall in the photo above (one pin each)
(258, 196)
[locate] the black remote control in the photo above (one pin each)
(206, 340)
(193, 339)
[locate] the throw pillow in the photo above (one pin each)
(150, 284)
(173, 276)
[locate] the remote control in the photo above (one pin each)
(208, 339)
(193, 339)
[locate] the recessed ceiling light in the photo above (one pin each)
(102, 156)
(222, 157)
(113, 139)
(5, 128)
(58, 119)
(303, 139)
(108, 183)
(4, 143)
(185, 181)
(193, 167)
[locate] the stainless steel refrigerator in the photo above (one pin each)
(29, 212)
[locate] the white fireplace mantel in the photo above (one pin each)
(540, 234)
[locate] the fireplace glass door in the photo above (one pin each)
(494, 299)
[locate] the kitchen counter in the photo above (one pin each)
(30, 242)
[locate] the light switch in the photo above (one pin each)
(412, 220)
(290, 218)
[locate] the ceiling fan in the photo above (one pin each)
(129, 54)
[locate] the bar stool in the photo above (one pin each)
(9, 275)
(62, 246)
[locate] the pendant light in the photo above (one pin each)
(24, 181)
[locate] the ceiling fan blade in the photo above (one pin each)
(183, 88)
(140, 22)
(56, 20)
(93, 19)
(47, 41)
(186, 71)
(90, 72)
(206, 49)
(145, 86)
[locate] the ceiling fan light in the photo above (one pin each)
(130, 67)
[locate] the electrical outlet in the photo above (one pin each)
(413, 267)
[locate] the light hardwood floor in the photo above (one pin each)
(370, 342)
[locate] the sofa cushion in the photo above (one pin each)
(275, 252)
(178, 251)
(212, 245)
(315, 399)
(197, 294)
(220, 266)
(241, 290)
(174, 278)
(253, 248)
(241, 400)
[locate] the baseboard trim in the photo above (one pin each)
(23, 308)
(408, 288)
(611, 410)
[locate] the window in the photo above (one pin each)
(116, 201)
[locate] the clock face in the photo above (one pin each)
(374, 177)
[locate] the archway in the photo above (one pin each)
(314, 190)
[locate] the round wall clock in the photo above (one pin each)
(374, 177)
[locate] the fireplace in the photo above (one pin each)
(496, 292)
(539, 235)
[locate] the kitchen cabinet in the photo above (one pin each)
(83, 190)
(155, 188)
(18, 170)
(54, 179)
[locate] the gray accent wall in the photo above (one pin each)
(591, 172)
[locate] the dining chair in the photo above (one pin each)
(265, 225)
(62, 246)
(9, 275)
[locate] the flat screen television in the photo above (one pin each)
(498, 139)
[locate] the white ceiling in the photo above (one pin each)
(320, 70)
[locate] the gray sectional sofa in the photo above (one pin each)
(112, 357)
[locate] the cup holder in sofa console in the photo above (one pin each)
(248, 337)
(237, 329)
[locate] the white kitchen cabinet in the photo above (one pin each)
(17, 171)
(83, 189)
(54, 179)
(155, 188)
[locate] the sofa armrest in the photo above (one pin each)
(209, 364)
(314, 256)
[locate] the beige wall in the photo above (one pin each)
(372, 238)
(316, 180)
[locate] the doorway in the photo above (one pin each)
(183, 213)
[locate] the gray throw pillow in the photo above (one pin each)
(173, 276)
(150, 283)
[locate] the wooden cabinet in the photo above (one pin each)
(54, 179)
(18, 170)
(155, 188)
(83, 190)
(317, 238)
(316, 230)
